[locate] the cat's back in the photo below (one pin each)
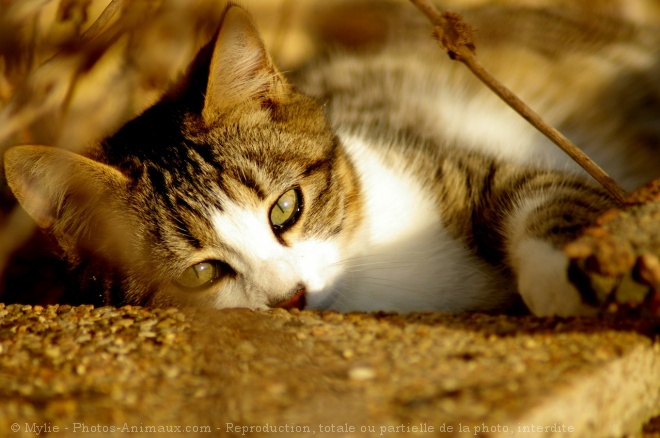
(591, 75)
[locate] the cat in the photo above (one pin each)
(387, 179)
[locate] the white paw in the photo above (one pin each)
(543, 281)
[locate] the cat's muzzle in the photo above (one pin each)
(297, 301)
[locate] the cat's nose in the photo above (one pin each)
(297, 301)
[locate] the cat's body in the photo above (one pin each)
(422, 191)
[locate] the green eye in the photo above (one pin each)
(285, 211)
(199, 275)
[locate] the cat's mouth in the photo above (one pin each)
(298, 301)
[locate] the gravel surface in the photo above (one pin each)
(78, 371)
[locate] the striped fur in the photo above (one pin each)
(420, 190)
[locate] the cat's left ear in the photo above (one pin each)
(56, 186)
(77, 200)
(241, 69)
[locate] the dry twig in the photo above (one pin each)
(455, 36)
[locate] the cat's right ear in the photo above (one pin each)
(241, 70)
(55, 185)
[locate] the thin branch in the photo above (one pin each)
(102, 22)
(455, 36)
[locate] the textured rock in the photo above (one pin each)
(616, 262)
(80, 369)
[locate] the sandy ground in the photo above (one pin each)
(108, 371)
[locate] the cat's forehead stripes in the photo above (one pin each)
(250, 180)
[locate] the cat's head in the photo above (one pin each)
(230, 192)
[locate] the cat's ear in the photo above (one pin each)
(241, 70)
(54, 185)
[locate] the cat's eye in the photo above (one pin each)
(286, 210)
(200, 275)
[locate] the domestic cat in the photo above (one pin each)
(388, 179)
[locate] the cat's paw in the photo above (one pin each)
(543, 281)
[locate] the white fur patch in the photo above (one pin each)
(543, 280)
(254, 253)
(403, 259)
(490, 127)
(396, 205)
(270, 269)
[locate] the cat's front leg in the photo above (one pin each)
(519, 219)
(551, 211)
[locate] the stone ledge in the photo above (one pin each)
(73, 368)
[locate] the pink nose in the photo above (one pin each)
(297, 301)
